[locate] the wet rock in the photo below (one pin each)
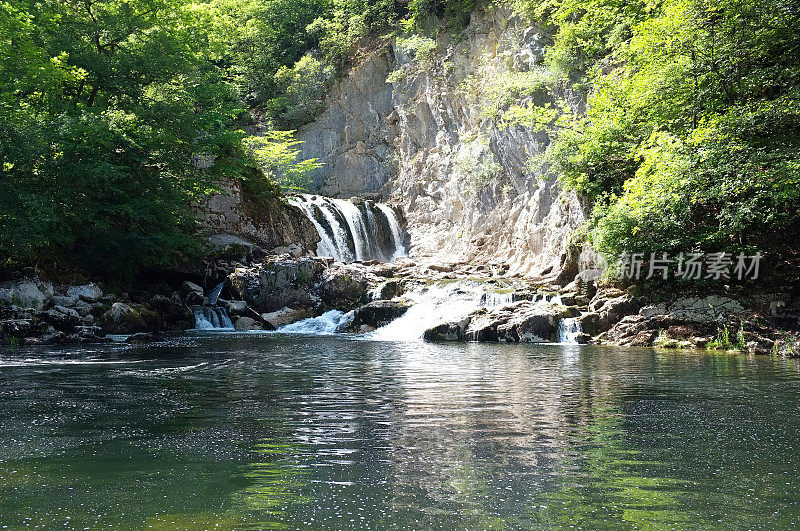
(237, 307)
(19, 328)
(285, 316)
(244, 324)
(142, 337)
(391, 289)
(87, 334)
(482, 327)
(378, 313)
(446, 332)
(50, 338)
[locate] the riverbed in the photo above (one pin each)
(260, 431)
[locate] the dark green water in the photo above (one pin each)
(332, 433)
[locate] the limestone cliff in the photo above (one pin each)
(269, 224)
(419, 131)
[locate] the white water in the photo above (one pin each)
(358, 228)
(211, 318)
(493, 299)
(568, 331)
(397, 231)
(432, 305)
(328, 323)
(350, 231)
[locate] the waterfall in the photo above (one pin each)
(353, 230)
(328, 323)
(432, 305)
(211, 318)
(397, 230)
(214, 295)
(494, 299)
(568, 330)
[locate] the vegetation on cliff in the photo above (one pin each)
(691, 136)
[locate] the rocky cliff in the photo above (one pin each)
(418, 126)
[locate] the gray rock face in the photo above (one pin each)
(277, 224)
(427, 143)
(343, 286)
(697, 309)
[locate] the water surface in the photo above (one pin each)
(289, 431)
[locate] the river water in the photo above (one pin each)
(288, 431)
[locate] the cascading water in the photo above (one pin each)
(211, 318)
(432, 305)
(349, 231)
(569, 329)
(328, 323)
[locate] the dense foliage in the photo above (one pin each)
(691, 139)
(110, 110)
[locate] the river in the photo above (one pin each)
(260, 431)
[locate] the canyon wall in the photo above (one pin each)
(420, 128)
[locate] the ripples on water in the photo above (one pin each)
(260, 431)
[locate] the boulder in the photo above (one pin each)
(142, 337)
(61, 318)
(446, 332)
(90, 334)
(285, 316)
(28, 293)
(237, 307)
(88, 292)
(378, 313)
(64, 300)
(481, 328)
(244, 324)
(277, 283)
(19, 328)
(123, 319)
(343, 286)
(389, 290)
(192, 293)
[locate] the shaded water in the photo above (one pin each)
(269, 430)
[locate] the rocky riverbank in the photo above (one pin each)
(263, 291)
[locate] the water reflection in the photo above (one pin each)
(254, 431)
